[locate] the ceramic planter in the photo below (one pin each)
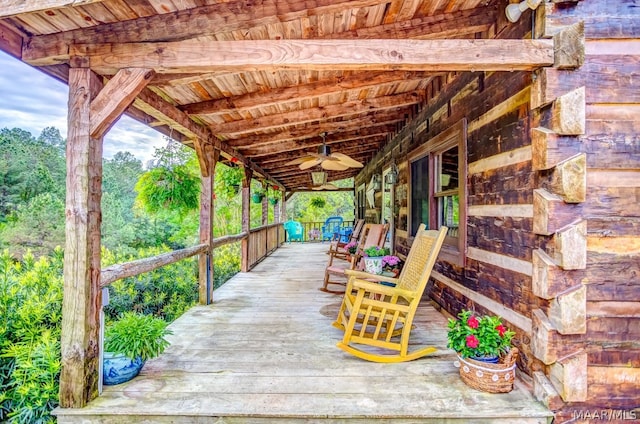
(118, 368)
(373, 265)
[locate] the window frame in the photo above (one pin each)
(454, 249)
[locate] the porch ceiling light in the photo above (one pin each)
(318, 178)
(514, 11)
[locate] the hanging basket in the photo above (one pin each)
(257, 197)
(487, 377)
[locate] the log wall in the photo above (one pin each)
(553, 203)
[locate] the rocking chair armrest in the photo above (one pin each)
(366, 276)
(380, 289)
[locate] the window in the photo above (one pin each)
(438, 178)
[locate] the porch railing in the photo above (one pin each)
(264, 240)
(309, 227)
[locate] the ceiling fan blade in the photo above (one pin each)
(352, 163)
(310, 163)
(334, 165)
(300, 160)
(329, 186)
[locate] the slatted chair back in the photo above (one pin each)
(420, 261)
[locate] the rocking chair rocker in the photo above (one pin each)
(375, 314)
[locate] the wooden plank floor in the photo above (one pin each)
(265, 351)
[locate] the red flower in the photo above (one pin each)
(472, 322)
(501, 329)
(234, 160)
(472, 341)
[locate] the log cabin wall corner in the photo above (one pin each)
(553, 217)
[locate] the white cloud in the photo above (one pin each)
(32, 101)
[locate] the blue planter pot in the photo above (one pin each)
(487, 359)
(118, 368)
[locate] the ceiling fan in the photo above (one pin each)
(326, 159)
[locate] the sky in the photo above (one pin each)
(32, 101)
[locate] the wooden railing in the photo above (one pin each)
(264, 240)
(317, 225)
(129, 269)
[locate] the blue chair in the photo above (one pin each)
(331, 227)
(294, 230)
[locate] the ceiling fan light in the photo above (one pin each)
(318, 178)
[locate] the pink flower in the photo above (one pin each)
(501, 329)
(472, 322)
(472, 341)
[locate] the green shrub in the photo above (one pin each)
(136, 335)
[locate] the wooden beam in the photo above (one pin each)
(356, 81)
(571, 246)
(549, 149)
(81, 306)
(568, 113)
(10, 42)
(239, 15)
(568, 311)
(569, 47)
(265, 55)
(544, 391)
(18, 7)
(545, 340)
(379, 122)
(207, 212)
(115, 98)
(569, 377)
(245, 218)
(550, 212)
(292, 147)
(569, 179)
(352, 108)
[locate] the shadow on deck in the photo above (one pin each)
(264, 352)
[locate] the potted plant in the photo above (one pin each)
(257, 195)
(273, 195)
(372, 257)
(391, 264)
(129, 342)
(485, 355)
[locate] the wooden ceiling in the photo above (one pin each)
(268, 111)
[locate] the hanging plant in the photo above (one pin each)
(318, 202)
(163, 188)
(228, 180)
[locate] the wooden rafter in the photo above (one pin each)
(263, 55)
(352, 108)
(356, 81)
(293, 148)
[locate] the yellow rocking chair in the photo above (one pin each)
(375, 314)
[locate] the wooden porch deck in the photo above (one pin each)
(265, 351)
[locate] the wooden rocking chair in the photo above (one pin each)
(375, 314)
(337, 244)
(372, 235)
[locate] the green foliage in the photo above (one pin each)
(226, 263)
(172, 184)
(318, 202)
(300, 206)
(165, 293)
(375, 251)
(478, 336)
(136, 335)
(228, 180)
(30, 320)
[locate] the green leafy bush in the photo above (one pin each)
(30, 320)
(136, 335)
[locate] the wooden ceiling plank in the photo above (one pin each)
(293, 145)
(302, 116)
(355, 81)
(253, 55)
(17, 7)
(115, 97)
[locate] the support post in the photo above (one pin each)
(246, 217)
(209, 159)
(265, 204)
(80, 347)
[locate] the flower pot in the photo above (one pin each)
(117, 368)
(256, 198)
(373, 265)
(488, 359)
(273, 201)
(488, 377)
